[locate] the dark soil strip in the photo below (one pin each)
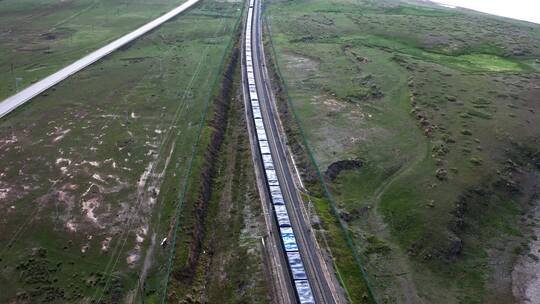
(216, 259)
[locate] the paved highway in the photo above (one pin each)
(321, 276)
(11, 103)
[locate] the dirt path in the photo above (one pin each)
(396, 269)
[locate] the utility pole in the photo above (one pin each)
(18, 81)
(161, 67)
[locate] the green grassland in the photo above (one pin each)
(222, 212)
(92, 170)
(39, 37)
(441, 107)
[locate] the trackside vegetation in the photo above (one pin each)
(423, 123)
(93, 169)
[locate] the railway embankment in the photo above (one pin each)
(330, 229)
(218, 254)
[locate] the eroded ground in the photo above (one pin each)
(83, 166)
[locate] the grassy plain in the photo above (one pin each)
(440, 107)
(94, 168)
(219, 250)
(39, 37)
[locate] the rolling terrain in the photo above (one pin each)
(38, 38)
(423, 124)
(405, 136)
(95, 170)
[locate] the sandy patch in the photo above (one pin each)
(60, 134)
(135, 254)
(132, 259)
(8, 141)
(71, 226)
(334, 105)
(69, 186)
(89, 188)
(151, 145)
(105, 244)
(4, 193)
(88, 207)
(111, 161)
(110, 116)
(301, 63)
(98, 177)
(526, 273)
(63, 160)
(85, 247)
(144, 177)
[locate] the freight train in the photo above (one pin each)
(288, 240)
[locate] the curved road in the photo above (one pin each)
(11, 103)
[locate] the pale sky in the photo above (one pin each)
(528, 10)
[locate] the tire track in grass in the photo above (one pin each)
(185, 184)
(406, 282)
(115, 257)
(20, 231)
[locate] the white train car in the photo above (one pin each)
(288, 239)
(297, 267)
(263, 147)
(305, 295)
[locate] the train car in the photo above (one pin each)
(275, 190)
(261, 134)
(278, 200)
(273, 182)
(282, 216)
(263, 146)
(271, 174)
(290, 246)
(296, 265)
(305, 295)
(288, 239)
(268, 162)
(256, 112)
(260, 128)
(259, 124)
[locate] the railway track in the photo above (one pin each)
(310, 277)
